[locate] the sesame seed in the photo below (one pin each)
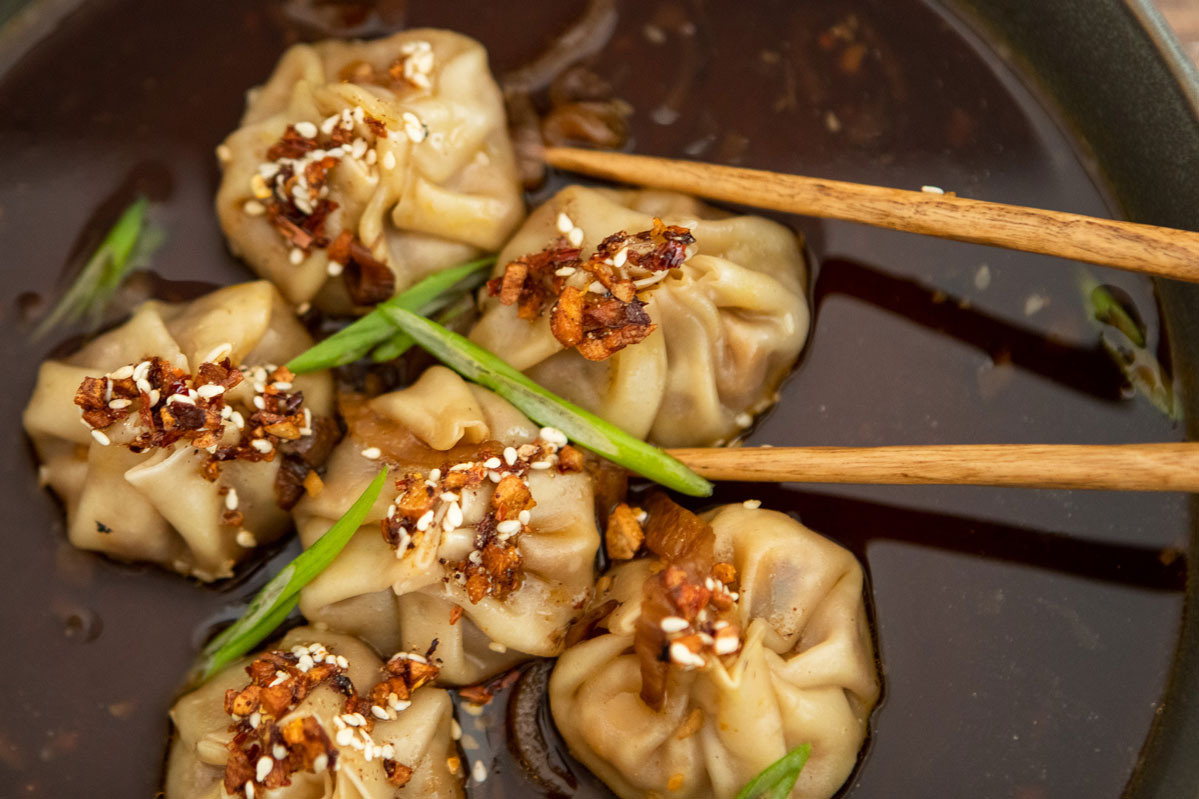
(223, 153)
(306, 129)
(540, 466)
(752, 504)
(596, 287)
(496, 646)
(510, 455)
(492, 463)
(231, 499)
(253, 208)
(262, 445)
(455, 729)
(565, 271)
(259, 403)
(380, 713)
(554, 436)
(524, 516)
(334, 268)
(575, 236)
(565, 223)
(479, 771)
(674, 624)
(101, 438)
(726, 645)
(279, 751)
(255, 719)
(372, 453)
(344, 737)
(494, 476)
(424, 521)
(508, 526)
(389, 160)
(249, 787)
(621, 257)
(265, 764)
(932, 189)
(238, 420)
(296, 256)
(453, 517)
(210, 390)
(124, 373)
(118, 404)
(449, 496)
(320, 763)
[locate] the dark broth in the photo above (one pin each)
(1024, 635)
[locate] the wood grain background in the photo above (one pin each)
(1184, 16)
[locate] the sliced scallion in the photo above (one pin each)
(357, 339)
(548, 409)
(777, 779)
(275, 601)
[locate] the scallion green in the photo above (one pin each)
(548, 409)
(275, 601)
(777, 779)
(356, 340)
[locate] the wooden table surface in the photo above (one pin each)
(1184, 16)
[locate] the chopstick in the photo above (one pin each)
(1119, 467)
(1159, 251)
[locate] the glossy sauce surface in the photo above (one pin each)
(1024, 635)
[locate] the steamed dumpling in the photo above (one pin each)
(299, 727)
(679, 695)
(406, 167)
(718, 319)
(153, 437)
(494, 571)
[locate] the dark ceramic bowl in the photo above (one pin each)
(1033, 643)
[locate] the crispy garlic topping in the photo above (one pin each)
(264, 755)
(593, 304)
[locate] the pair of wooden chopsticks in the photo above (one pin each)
(1146, 249)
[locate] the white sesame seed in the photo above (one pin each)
(565, 223)
(510, 455)
(265, 764)
(424, 521)
(253, 208)
(246, 539)
(262, 445)
(118, 404)
(279, 751)
(492, 463)
(259, 403)
(141, 371)
(210, 390)
(932, 189)
(249, 788)
(455, 729)
(320, 763)
(101, 438)
(508, 526)
(673, 624)
(344, 737)
(342, 662)
(540, 466)
(124, 373)
(554, 436)
(231, 499)
(143, 386)
(752, 504)
(255, 719)
(524, 516)
(389, 160)
(496, 646)
(575, 236)
(306, 129)
(726, 645)
(372, 453)
(334, 268)
(453, 517)
(238, 420)
(479, 771)
(565, 271)
(296, 256)
(621, 257)
(596, 287)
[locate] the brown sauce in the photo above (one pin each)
(1024, 636)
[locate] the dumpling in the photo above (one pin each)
(362, 167)
(648, 308)
(320, 717)
(744, 638)
(485, 541)
(176, 439)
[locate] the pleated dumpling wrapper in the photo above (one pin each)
(362, 167)
(320, 717)
(744, 638)
(485, 540)
(176, 439)
(650, 309)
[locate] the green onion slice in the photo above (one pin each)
(548, 409)
(128, 244)
(278, 597)
(777, 779)
(355, 340)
